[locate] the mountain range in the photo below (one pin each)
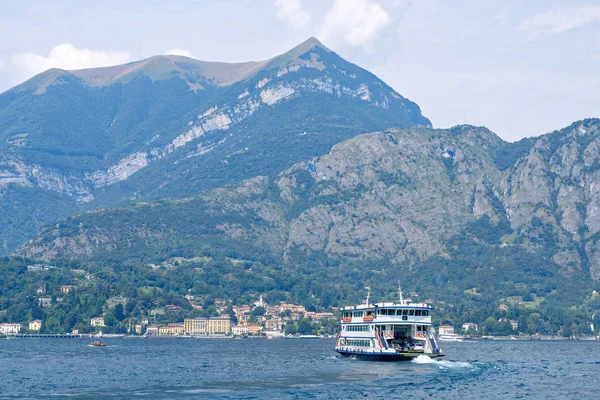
(398, 195)
(171, 126)
(301, 159)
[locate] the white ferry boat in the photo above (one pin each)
(388, 331)
(450, 337)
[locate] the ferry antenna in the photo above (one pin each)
(400, 293)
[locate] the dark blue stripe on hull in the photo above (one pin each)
(385, 357)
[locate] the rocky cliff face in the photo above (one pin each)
(551, 196)
(170, 126)
(396, 195)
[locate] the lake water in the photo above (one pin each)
(298, 369)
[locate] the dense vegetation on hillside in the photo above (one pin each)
(468, 289)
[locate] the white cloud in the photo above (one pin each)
(560, 20)
(292, 12)
(357, 22)
(20, 66)
(179, 52)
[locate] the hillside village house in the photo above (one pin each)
(45, 302)
(10, 329)
(35, 325)
(98, 321)
(66, 289)
(470, 326)
(273, 324)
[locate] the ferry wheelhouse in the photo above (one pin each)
(388, 331)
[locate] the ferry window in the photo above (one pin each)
(418, 313)
(411, 312)
(404, 312)
(359, 343)
(398, 312)
(358, 328)
(384, 312)
(425, 313)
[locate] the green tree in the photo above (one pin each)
(305, 327)
(119, 312)
(110, 319)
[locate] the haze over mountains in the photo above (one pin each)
(273, 161)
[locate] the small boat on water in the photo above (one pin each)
(450, 337)
(98, 344)
(388, 331)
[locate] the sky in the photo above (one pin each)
(520, 68)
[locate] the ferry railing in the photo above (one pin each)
(379, 341)
(434, 345)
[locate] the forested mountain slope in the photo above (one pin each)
(400, 195)
(171, 126)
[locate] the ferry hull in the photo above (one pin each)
(386, 357)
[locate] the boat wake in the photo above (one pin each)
(423, 359)
(443, 364)
(447, 364)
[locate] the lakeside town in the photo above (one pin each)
(258, 319)
(68, 303)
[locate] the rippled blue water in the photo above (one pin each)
(285, 368)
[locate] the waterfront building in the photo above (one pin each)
(219, 325)
(152, 330)
(195, 326)
(171, 330)
(35, 325)
(239, 330)
(254, 328)
(446, 330)
(9, 329)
